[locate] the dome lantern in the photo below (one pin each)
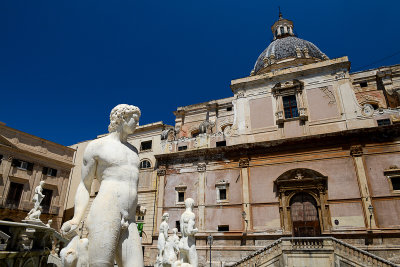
(286, 50)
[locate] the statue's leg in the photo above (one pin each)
(129, 251)
(104, 230)
(193, 259)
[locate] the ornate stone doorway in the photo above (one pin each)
(303, 204)
(304, 215)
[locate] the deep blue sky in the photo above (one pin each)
(65, 64)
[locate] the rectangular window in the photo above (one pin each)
(290, 106)
(223, 228)
(363, 84)
(22, 164)
(181, 148)
(14, 195)
(222, 194)
(146, 145)
(46, 202)
(181, 196)
(178, 225)
(49, 171)
(383, 122)
(229, 109)
(140, 218)
(395, 183)
(221, 143)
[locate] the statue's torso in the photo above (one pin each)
(117, 170)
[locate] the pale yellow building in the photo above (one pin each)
(25, 160)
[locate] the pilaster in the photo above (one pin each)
(244, 175)
(357, 154)
(161, 173)
(201, 168)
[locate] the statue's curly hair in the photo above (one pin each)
(120, 113)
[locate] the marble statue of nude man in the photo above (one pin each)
(38, 196)
(187, 244)
(111, 221)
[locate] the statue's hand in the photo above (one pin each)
(69, 229)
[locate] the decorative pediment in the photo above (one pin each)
(301, 178)
(289, 87)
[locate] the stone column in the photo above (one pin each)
(244, 174)
(357, 153)
(161, 172)
(201, 168)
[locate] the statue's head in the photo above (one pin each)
(189, 203)
(165, 217)
(41, 183)
(125, 116)
(175, 231)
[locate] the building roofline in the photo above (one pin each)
(3, 125)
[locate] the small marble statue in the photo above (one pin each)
(113, 233)
(49, 222)
(171, 250)
(187, 244)
(34, 214)
(162, 238)
(38, 197)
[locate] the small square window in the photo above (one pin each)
(229, 109)
(395, 183)
(181, 148)
(22, 164)
(181, 196)
(146, 145)
(383, 122)
(49, 171)
(223, 228)
(363, 84)
(221, 143)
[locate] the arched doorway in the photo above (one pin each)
(304, 215)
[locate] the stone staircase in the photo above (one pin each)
(309, 252)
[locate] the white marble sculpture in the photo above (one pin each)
(162, 239)
(187, 243)
(171, 250)
(38, 197)
(34, 214)
(75, 253)
(49, 222)
(113, 233)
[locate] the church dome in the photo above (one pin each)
(286, 50)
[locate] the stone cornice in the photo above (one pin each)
(343, 138)
(342, 62)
